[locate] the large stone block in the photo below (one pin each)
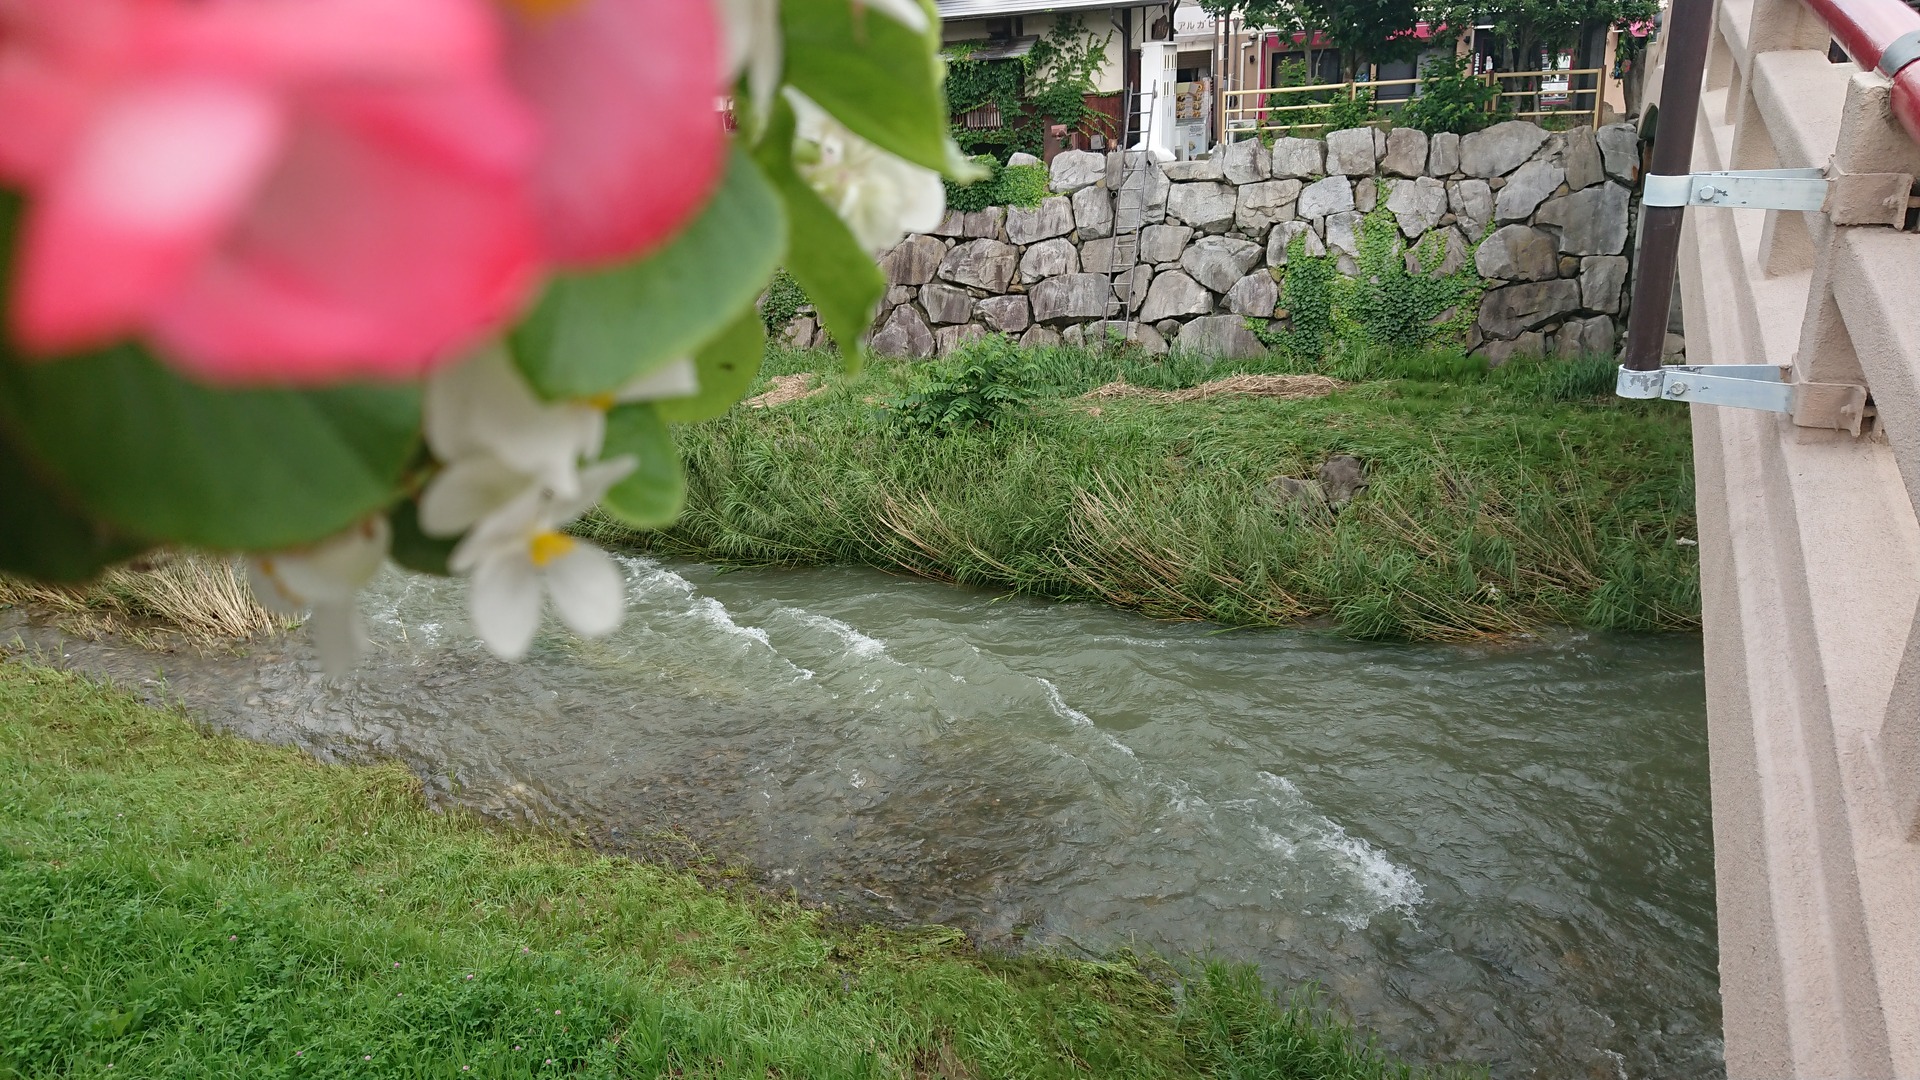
(1113, 332)
(1592, 221)
(913, 261)
(1406, 153)
(1254, 295)
(1032, 224)
(1343, 233)
(946, 304)
(1472, 202)
(1525, 190)
(1585, 338)
(1225, 337)
(1323, 197)
(1265, 204)
(1511, 310)
(1280, 242)
(1219, 261)
(1350, 152)
(1246, 162)
(904, 333)
(1040, 337)
(948, 338)
(1518, 253)
(982, 224)
(1174, 294)
(1417, 205)
(1500, 149)
(1096, 256)
(1366, 194)
(1163, 243)
(1075, 169)
(1584, 168)
(1532, 344)
(1208, 207)
(1206, 168)
(983, 264)
(1602, 280)
(1049, 258)
(1093, 212)
(1443, 154)
(1006, 314)
(1071, 296)
(1620, 151)
(1022, 158)
(1300, 159)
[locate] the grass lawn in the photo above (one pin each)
(180, 904)
(1499, 501)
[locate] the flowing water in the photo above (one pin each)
(1493, 854)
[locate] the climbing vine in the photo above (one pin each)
(1382, 305)
(1048, 85)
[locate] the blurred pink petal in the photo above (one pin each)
(160, 172)
(626, 92)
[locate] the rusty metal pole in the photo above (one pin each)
(1689, 26)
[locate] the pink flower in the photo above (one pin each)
(338, 188)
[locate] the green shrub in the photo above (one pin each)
(982, 383)
(978, 195)
(1452, 98)
(1356, 111)
(783, 300)
(1383, 305)
(1021, 185)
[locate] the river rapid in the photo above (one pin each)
(1494, 854)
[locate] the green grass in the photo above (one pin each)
(1500, 501)
(180, 904)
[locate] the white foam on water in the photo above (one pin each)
(1384, 885)
(1079, 719)
(857, 643)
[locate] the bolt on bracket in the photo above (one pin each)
(1848, 198)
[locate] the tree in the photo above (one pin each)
(1525, 27)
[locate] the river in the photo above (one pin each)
(1493, 854)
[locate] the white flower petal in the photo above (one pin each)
(502, 532)
(595, 481)
(505, 604)
(467, 490)
(338, 636)
(588, 591)
(907, 13)
(881, 197)
(330, 572)
(754, 46)
(673, 379)
(483, 405)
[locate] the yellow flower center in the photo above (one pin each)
(603, 402)
(543, 8)
(545, 547)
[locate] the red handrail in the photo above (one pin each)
(1865, 28)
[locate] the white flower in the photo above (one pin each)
(326, 579)
(517, 553)
(881, 197)
(497, 438)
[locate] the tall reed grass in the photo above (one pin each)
(1498, 500)
(203, 597)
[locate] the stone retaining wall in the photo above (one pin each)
(1553, 208)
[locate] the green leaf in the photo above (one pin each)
(592, 332)
(840, 277)
(43, 538)
(413, 548)
(873, 74)
(727, 365)
(152, 454)
(652, 495)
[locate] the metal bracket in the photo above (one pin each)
(1764, 387)
(1762, 189)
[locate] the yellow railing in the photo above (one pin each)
(1552, 93)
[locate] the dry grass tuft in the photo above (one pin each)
(788, 389)
(1284, 387)
(203, 597)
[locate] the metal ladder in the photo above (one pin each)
(1132, 199)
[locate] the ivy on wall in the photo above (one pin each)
(1048, 85)
(1382, 305)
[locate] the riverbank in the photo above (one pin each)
(1496, 501)
(176, 902)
